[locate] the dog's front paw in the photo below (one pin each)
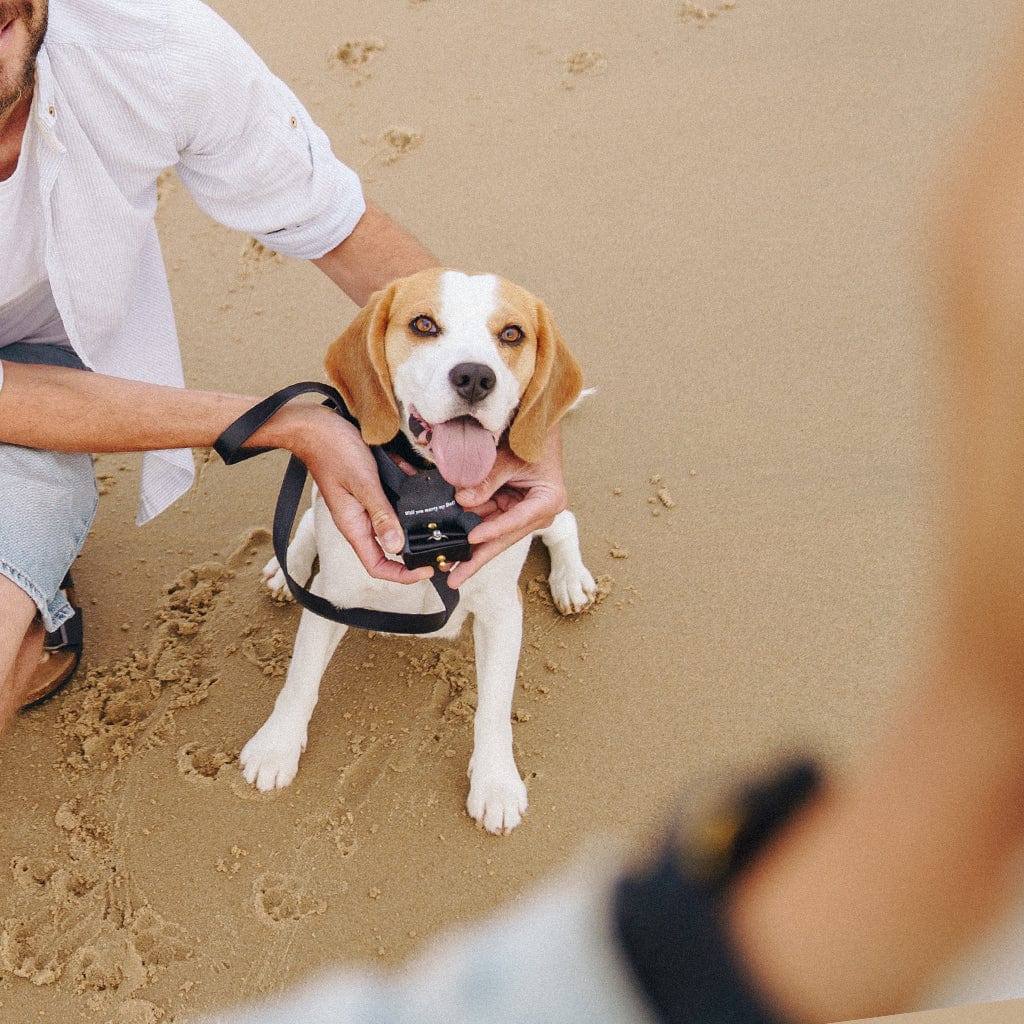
(273, 577)
(573, 589)
(497, 798)
(270, 760)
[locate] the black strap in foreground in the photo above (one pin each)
(229, 447)
(670, 916)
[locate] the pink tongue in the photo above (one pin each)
(463, 450)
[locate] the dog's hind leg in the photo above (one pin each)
(572, 587)
(270, 759)
(497, 796)
(301, 555)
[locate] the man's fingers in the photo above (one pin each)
(346, 473)
(505, 468)
(484, 551)
(519, 514)
(501, 531)
(367, 491)
(396, 572)
(378, 565)
(482, 554)
(354, 522)
(512, 524)
(385, 526)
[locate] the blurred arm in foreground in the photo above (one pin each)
(858, 908)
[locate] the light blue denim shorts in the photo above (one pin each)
(49, 502)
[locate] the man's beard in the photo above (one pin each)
(15, 81)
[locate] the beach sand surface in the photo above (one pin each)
(723, 207)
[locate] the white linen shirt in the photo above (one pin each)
(127, 88)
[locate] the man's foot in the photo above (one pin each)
(62, 652)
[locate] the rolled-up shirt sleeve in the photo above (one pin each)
(249, 152)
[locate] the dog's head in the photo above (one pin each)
(454, 361)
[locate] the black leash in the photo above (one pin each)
(436, 527)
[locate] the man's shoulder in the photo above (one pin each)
(119, 25)
(152, 59)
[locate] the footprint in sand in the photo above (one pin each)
(166, 185)
(254, 257)
(201, 764)
(96, 936)
(112, 966)
(281, 898)
(583, 62)
(355, 56)
(396, 143)
(703, 16)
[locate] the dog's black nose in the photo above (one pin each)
(472, 381)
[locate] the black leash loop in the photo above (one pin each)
(229, 447)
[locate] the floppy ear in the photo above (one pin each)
(357, 366)
(556, 383)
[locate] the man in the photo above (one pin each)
(97, 97)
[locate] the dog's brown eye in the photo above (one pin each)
(425, 327)
(511, 335)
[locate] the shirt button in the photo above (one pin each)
(292, 121)
(51, 112)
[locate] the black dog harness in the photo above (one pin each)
(436, 527)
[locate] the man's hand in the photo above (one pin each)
(346, 473)
(515, 500)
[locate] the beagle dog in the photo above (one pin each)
(460, 364)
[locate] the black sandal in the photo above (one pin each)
(62, 653)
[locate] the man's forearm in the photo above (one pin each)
(106, 414)
(376, 253)
(77, 411)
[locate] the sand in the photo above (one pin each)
(723, 207)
